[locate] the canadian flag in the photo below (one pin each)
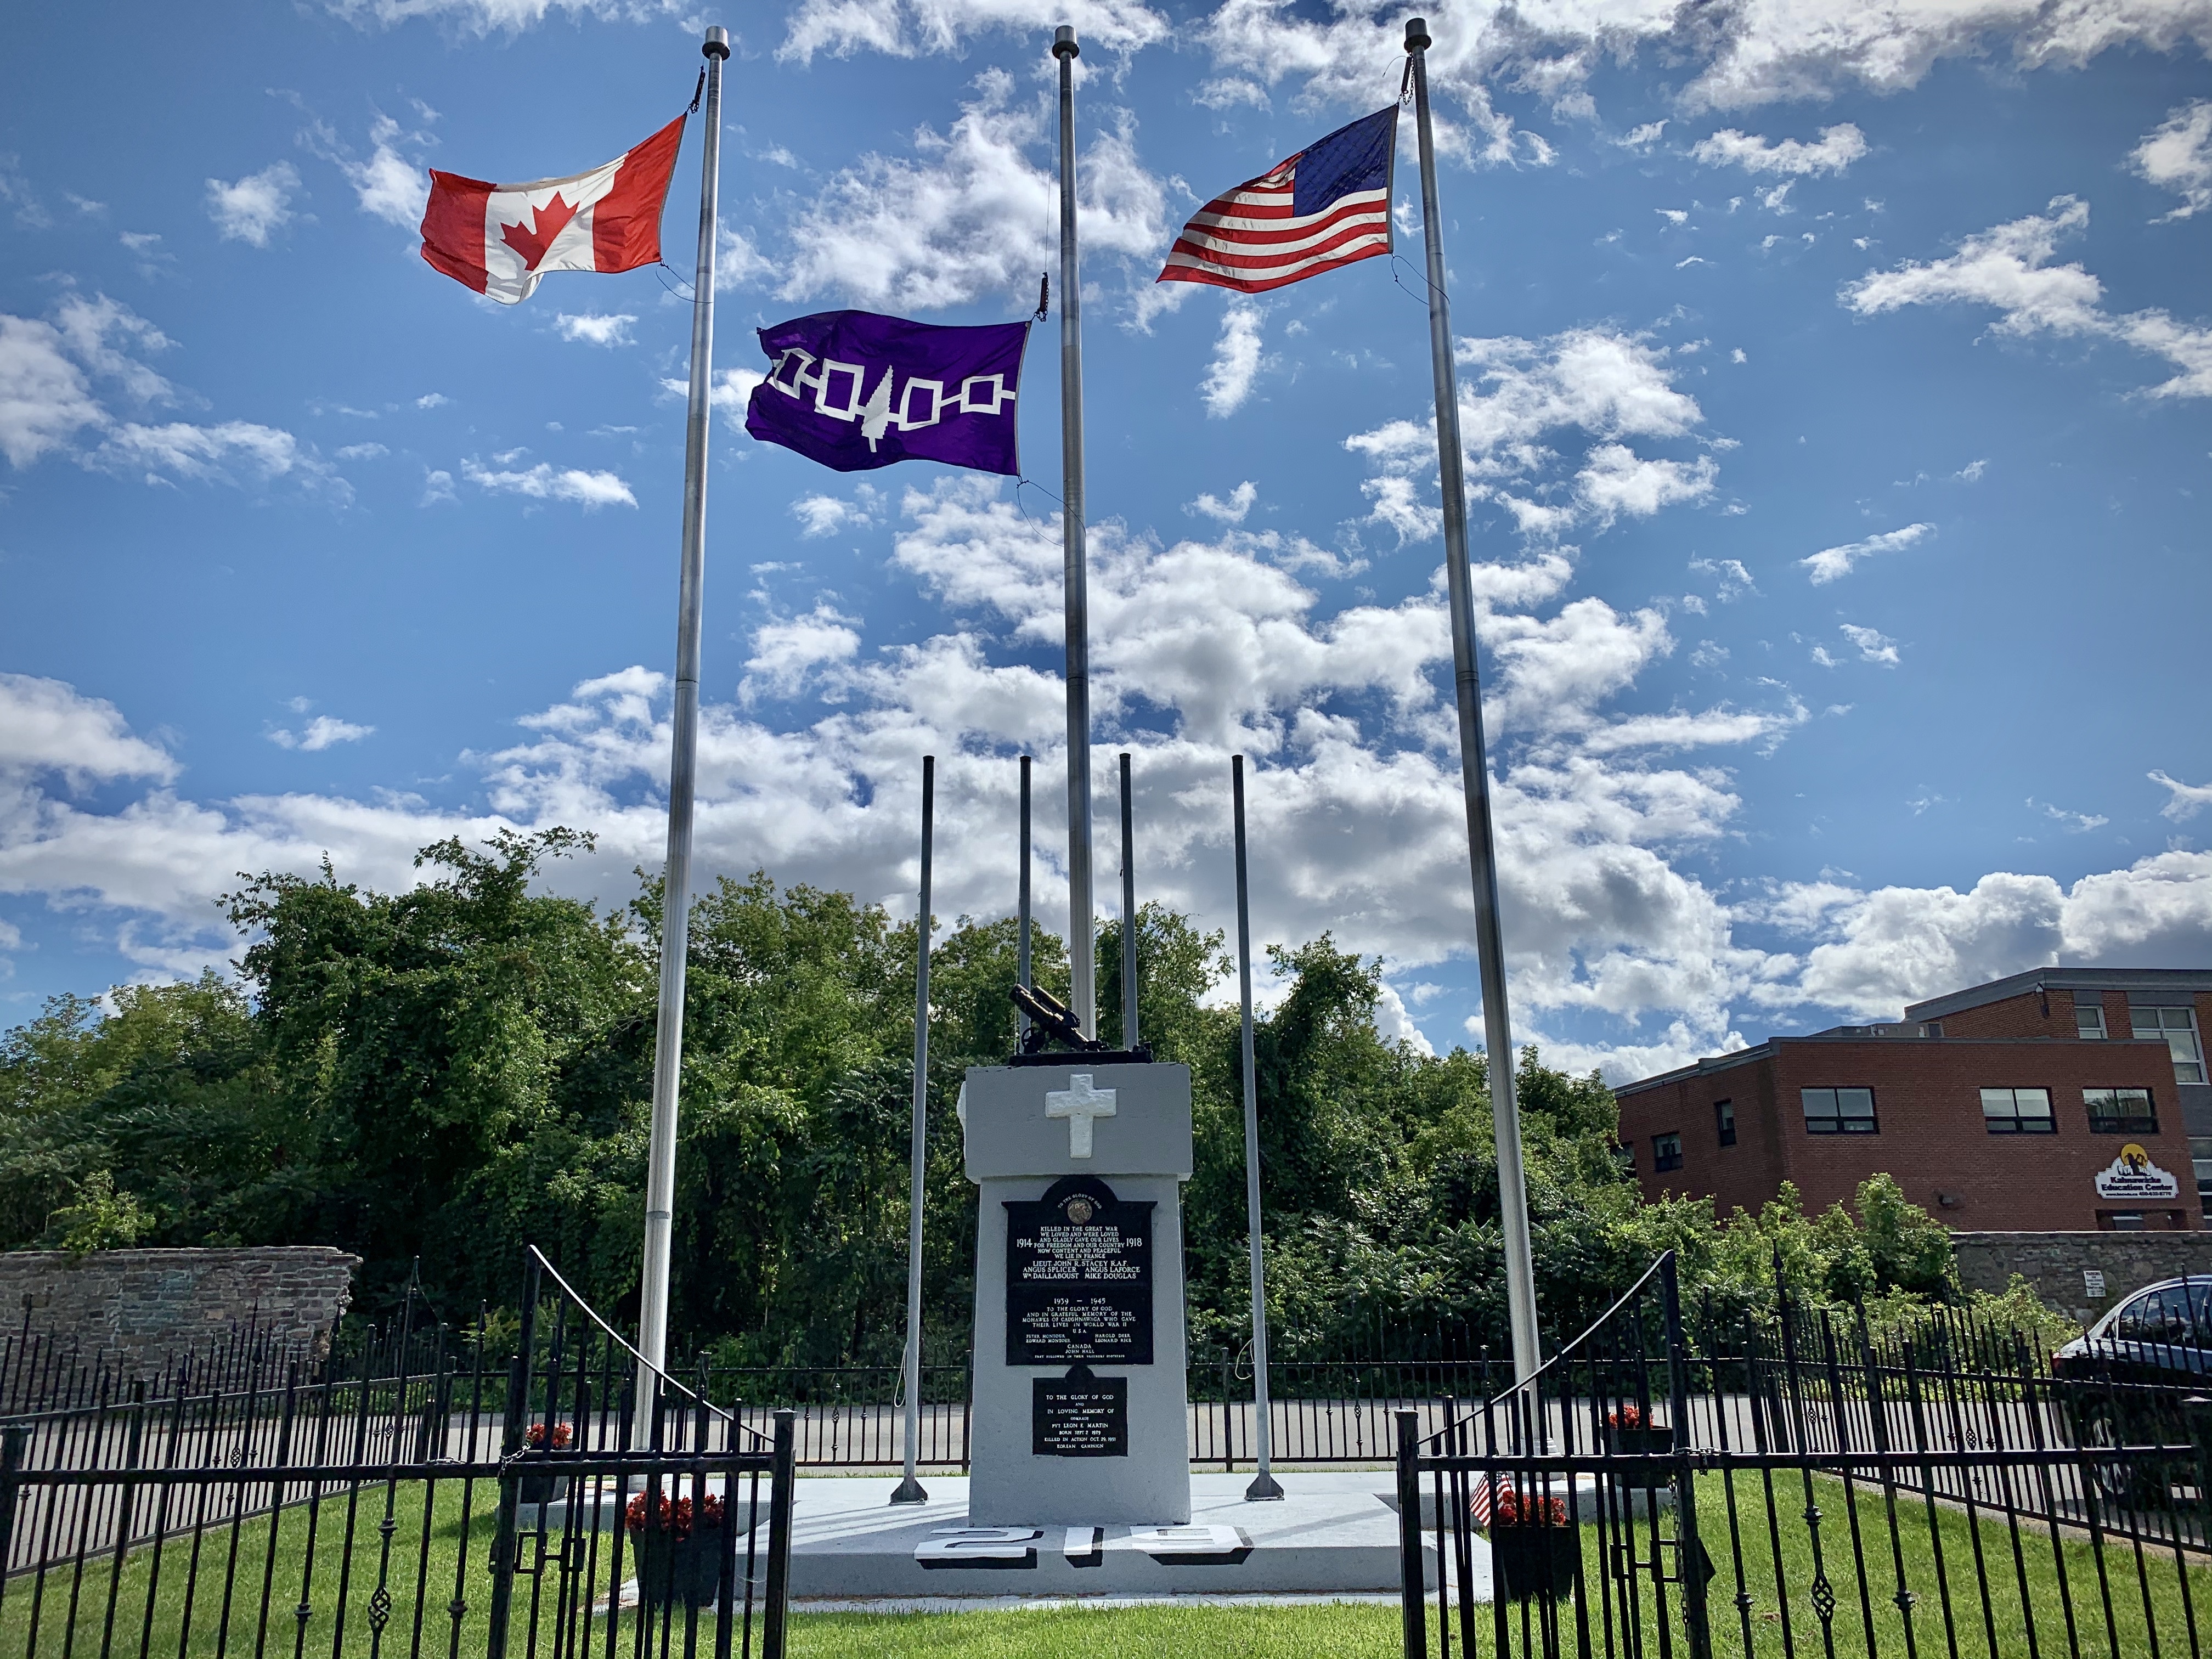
(499, 239)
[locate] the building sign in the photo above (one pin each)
(2132, 1175)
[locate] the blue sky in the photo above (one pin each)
(1836, 385)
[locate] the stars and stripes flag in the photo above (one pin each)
(1479, 1505)
(500, 238)
(1326, 206)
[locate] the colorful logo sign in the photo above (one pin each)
(2132, 1175)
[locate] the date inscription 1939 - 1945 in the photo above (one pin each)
(1078, 1277)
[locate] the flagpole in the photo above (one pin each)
(1128, 911)
(910, 1490)
(1084, 992)
(684, 760)
(1474, 770)
(1022, 913)
(1264, 1487)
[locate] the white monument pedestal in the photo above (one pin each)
(1079, 1408)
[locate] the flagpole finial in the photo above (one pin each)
(1417, 35)
(718, 42)
(1063, 42)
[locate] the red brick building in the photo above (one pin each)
(2064, 1099)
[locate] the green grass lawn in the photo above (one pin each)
(107, 1607)
(2023, 1587)
(206, 1596)
(1303, 1632)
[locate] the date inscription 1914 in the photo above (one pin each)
(1078, 1277)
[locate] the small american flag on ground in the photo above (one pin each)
(1328, 205)
(1479, 1504)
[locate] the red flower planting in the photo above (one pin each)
(1514, 1509)
(1628, 1417)
(540, 1436)
(672, 1516)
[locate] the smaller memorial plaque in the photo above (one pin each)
(1079, 1415)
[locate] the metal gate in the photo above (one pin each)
(1787, 1482)
(567, 1501)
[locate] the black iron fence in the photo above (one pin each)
(1798, 1484)
(420, 1496)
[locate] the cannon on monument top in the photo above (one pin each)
(1052, 1021)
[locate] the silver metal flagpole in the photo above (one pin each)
(1022, 910)
(683, 761)
(1083, 993)
(1475, 771)
(1129, 913)
(1263, 1487)
(910, 1490)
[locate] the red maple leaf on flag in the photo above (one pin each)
(546, 224)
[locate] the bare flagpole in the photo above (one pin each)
(1128, 911)
(1263, 1488)
(1084, 992)
(910, 1490)
(1022, 910)
(1474, 770)
(683, 761)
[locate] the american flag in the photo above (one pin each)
(1479, 1504)
(1328, 205)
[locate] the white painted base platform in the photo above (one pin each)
(1332, 1535)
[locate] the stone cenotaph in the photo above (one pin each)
(1080, 1409)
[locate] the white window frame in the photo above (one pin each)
(2097, 1011)
(2177, 1024)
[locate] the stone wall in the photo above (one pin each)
(2055, 1263)
(143, 1306)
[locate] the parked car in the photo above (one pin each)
(2124, 1380)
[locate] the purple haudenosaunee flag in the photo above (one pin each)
(854, 391)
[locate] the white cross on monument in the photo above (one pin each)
(1079, 1103)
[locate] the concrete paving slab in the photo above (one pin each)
(1330, 1535)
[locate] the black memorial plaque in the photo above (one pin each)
(1078, 1277)
(1079, 1415)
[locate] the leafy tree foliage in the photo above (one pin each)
(443, 1073)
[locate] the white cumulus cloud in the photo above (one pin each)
(1515, 397)
(1232, 511)
(319, 733)
(1833, 563)
(2007, 267)
(1235, 362)
(2176, 156)
(1835, 150)
(255, 206)
(2184, 801)
(974, 212)
(546, 483)
(595, 328)
(907, 29)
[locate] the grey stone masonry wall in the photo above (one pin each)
(143, 1306)
(2055, 1263)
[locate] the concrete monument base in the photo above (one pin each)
(1332, 1535)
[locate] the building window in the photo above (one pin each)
(2178, 1027)
(1724, 1120)
(2200, 1155)
(1666, 1153)
(1838, 1111)
(2121, 1221)
(2089, 1020)
(2120, 1111)
(2017, 1112)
